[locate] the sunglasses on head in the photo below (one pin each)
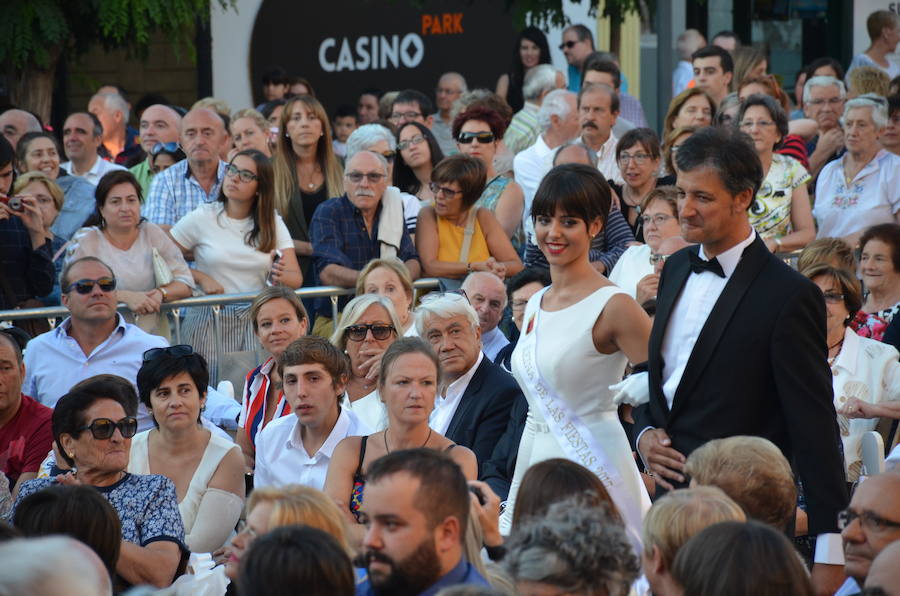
(176, 351)
(167, 147)
(483, 137)
(459, 294)
(86, 286)
(103, 428)
(358, 332)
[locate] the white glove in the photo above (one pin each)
(634, 390)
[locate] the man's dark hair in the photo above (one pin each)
(98, 127)
(600, 62)
(79, 512)
(614, 103)
(728, 34)
(525, 277)
(443, 491)
(725, 59)
(893, 105)
(372, 91)
(152, 374)
(316, 350)
(582, 32)
(344, 110)
(414, 96)
(727, 151)
(270, 106)
(275, 75)
(7, 153)
(8, 339)
(292, 558)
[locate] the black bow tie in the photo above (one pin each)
(698, 265)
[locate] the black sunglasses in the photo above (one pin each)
(483, 137)
(567, 44)
(167, 147)
(358, 332)
(103, 428)
(86, 286)
(176, 351)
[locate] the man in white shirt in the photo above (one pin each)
(598, 108)
(487, 295)
(296, 449)
(476, 396)
(82, 137)
(558, 118)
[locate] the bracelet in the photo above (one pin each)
(468, 267)
(778, 244)
(165, 294)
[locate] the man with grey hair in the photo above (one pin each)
(823, 101)
(159, 124)
(450, 87)
(474, 401)
(524, 127)
(487, 295)
(52, 565)
(558, 119)
(378, 139)
(119, 141)
(15, 123)
(82, 137)
(687, 43)
(350, 230)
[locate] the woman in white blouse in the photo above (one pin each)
(121, 238)
(240, 244)
(866, 372)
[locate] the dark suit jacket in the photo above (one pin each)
(499, 469)
(483, 411)
(758, 368)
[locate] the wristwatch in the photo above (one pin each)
(164, 292)
(778, 244)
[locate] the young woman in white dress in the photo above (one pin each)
(578, 335)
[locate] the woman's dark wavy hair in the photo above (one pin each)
(404, 178)
(104, 187)
(575, 189)
(514, 96)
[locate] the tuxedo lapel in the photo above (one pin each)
(752, 261)
(672, 283)
(468, 401)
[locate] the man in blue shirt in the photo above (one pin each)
(577, 45)
(350, 230)
(416, 511)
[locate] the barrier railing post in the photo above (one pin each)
(217, 339)
(334, 310)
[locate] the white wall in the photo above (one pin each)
(861, 10)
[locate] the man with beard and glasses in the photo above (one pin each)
(416, 512)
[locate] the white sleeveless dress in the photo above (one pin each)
(580, 376)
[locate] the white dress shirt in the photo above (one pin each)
(282, 459)
(492, 342)
(529, 167)
(97, 171)
(606, 159)
(445, 406)
(632, 267)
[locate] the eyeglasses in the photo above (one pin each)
(658, 219)
(176, 351)
(567, 45)
(245, 175)
(656, 259)
(404, 145)
(867, 519)
(372, 177)
(639, 158)
(103, 428)
(483, 137)
(833, 297)
(86, 286)
(834, 101)
(398, 116)
(244, 528)
(167, 147)
(747, 125)
(359, 332)
(437, 189)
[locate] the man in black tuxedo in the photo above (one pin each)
(476, 395)
(738, 343)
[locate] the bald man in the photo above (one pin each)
(181, 188)
(487, 294)
(159, 124)
(15, 123)
(884, 574)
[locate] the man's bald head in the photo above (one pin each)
(487, 295)
(159, 124)
(15, 123)
(202, 135)
(885, 570)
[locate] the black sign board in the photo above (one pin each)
(345, 46)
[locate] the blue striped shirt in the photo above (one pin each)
(175, 192)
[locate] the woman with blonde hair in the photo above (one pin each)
(390, 278)
(49, 199)
(249, 130)
(307, 172)
(368, 326)
(748, 62)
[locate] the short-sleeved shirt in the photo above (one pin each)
(25, 440)
(221, 250)
(873, 197)
(79, 204)
(147, 506)
(523, 130)
(770, 213)
(175, 192)
(339, 237)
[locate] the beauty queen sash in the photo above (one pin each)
(573, 436)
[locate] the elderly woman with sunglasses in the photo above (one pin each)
(207, 469)
(455, 236)
(368, 326)
(92, 429)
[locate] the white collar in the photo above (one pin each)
(458, 387)
(849, 351)
(730, 258)
(338, 432)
